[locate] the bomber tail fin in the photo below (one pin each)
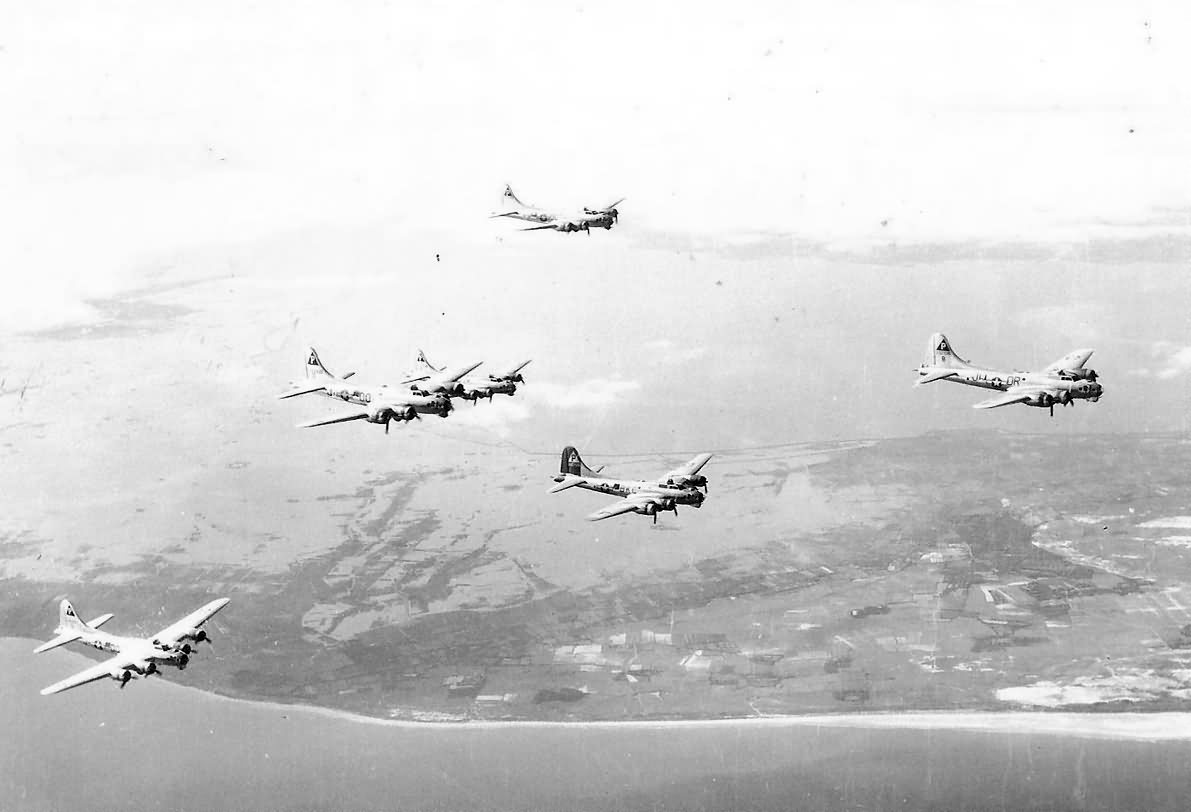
(314, 367)
(573, 464)
(422, 361)
(510, 201)
(940, 354)
(70, 627)
(68, 618)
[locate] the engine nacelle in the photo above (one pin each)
(381, 413)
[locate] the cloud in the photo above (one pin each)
(1079, 322)
(497, 417)
(667, 351)
(1175, 360)
(596, 393)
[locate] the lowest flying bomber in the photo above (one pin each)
(380, 403)
(1062, 383)
(586, 220)
(135, 656)
(647, 497)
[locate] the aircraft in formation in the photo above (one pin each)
(1063, 382)
(503, 383)
(585, 220)
(647, 497)
(381, 403)
(135, 656)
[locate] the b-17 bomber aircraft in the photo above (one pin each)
(135, 656)
(1063, 382)
(427, 380)
(502, 383)
(586, 220)
(679, 487)
(380, 403)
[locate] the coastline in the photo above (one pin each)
(1119, 726)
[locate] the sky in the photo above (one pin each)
(812, 189)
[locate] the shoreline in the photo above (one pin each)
(1120, 726)
(1138, 726)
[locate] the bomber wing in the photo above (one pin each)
(452, 375)
(692, 467)
(1015, 395)
(1072, 360)
(344, 418)
(173, 633)
(514, 370)
(539, 228)
(97, 671)
(627, 505)
(614, 510)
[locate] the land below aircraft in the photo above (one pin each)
(585, 220)
(135, 656)
(1061, 383)
(647, 497)
(1005, 627)
(501, 383)
(380, 403)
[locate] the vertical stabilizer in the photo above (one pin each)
(314, 367)
(939, 353)
(510, 200)
(422, 361)
(573, 464)
(68, 619)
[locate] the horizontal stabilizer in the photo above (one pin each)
(99, 621)
(569, 482)
(60, 640)
(309, 390)
(936, 375)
